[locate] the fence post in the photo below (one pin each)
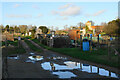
(90, 42)
(75, 41)
(109, 51)
(80, 41)
(6, 41)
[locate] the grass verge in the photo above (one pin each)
(99, 56)
(14, 49)
(32, 47)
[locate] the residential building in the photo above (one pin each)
(89, 24)
(7, 36)
(74, 34)
(38, 32)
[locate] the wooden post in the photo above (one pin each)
(98, 39)
(52, 41)
(5, 40)
(75, 41)
(109, 74)
(80, 41)
(91, 68)
(80, 66)
(109, 51)
(75, 63)
(90, 42)
(98, 70)
(19, 38)
(6, 43)
(47, 41)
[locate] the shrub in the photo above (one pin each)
(44, 41)
(60, 42)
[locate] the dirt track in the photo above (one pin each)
(47, 66)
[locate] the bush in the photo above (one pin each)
(44, 41)
(60, 42)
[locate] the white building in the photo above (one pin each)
(38, 31)
(89, 24)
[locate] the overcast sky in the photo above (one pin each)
(58, 14)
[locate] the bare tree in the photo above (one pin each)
(80, 24)
(23, 29)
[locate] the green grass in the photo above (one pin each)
(14, 43)
(38, 42)
(99, 56)
(12, 50)
(32, 47)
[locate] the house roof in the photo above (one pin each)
(96, 26)
(88, 21)
(75, 30)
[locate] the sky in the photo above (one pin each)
(57, 14)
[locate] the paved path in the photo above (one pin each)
(51, 65)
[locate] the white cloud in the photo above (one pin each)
(18, 16)
(35, 6)
(65, 18)
(62, 18)
(39, 15)
(65, 6)
(68, 10)
(97, 13)
(16, 5)
(55, 12)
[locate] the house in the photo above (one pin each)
(83, 31)
(38, 32)
(89, 24)
(74, 34)
(7, 36)
(61, 32)
(95, 29)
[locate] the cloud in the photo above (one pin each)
(62, 18)
(16, 5)
(39, 15)
(68, 10)
(65, 6)
(35, 6)
(18, 16)
(97, 13)
(65, 18)
(55, 12)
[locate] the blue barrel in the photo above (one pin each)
(85, 45)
